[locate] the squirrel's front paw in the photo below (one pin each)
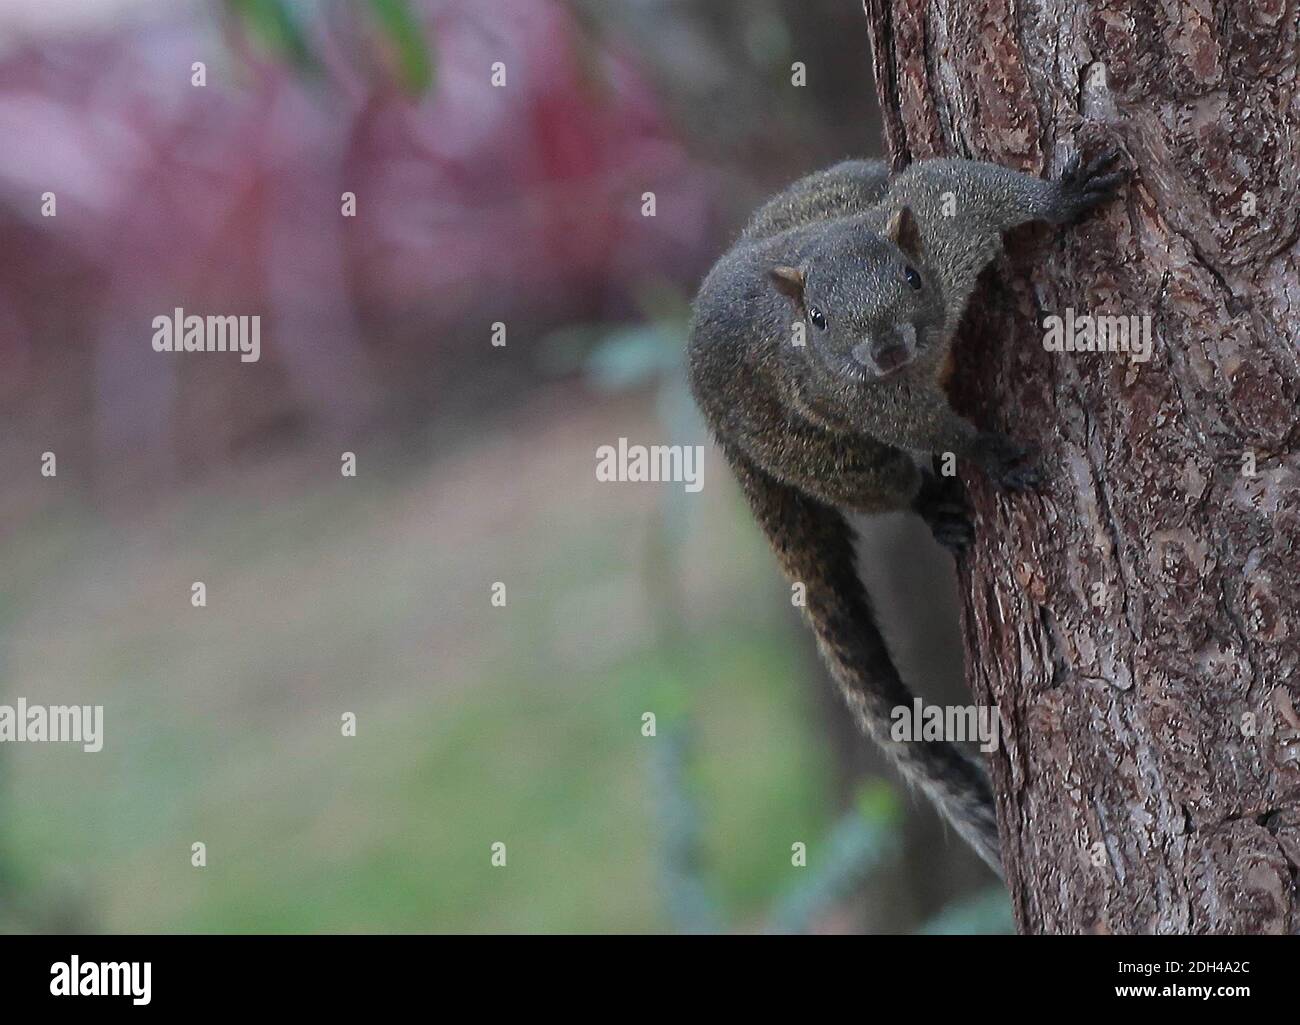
(1009, 465)
(942, 505)
(1086, 185)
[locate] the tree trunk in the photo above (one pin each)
(1136, 621)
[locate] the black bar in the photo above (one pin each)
(659, 975)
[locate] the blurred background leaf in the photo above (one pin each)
(276, 25)
(402, 28)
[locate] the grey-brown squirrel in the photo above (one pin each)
(819, 354)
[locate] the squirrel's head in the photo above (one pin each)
(869, 307)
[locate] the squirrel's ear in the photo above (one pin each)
(789, 282)
(903, 231)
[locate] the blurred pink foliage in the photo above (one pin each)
(474, 204)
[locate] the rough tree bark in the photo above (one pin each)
(1137, 621)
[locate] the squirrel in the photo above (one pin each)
(819, 354)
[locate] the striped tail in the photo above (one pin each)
(815, 545)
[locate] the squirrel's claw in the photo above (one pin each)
(1087, 185)
(954, 535)
(942, 505)
(1010, 466)
(1021, 478)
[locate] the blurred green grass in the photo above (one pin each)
(475, 724)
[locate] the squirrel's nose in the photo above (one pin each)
(887, 353)
(888, 358)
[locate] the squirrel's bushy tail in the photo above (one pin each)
(815, 546)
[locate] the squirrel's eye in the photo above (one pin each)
(817, 317)
(913, 278)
